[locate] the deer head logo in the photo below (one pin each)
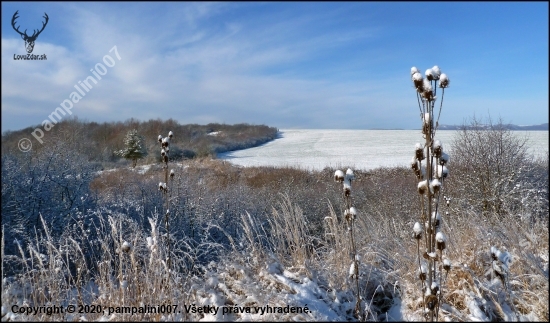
(29, 40)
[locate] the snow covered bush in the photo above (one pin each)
(135, 147)
(429, 165)
(52, 183)
(495, 173)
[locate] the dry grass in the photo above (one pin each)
(248, 219)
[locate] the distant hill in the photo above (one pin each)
(543, 126)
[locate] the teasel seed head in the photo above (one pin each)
(429, 74)
(418, 82)
(435, 288)
(353, 212)
(431, 301)
(446, 264)
(422, 271)
(126, 247)
(160, 139)
(423, 187)
(339, 176)
(419, 152)
(170, 134)
(440, 241)
(347, 215)
(444, 81)
(437, 148)
(417, 231)
(435, 186)
(347, 188)
(436, 72)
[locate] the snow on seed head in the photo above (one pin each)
(126, 246)
(352, 269)
(339, 176)
(437, 148)
(427, 93)
(418, 149)
(422, 272)
(446, 264)
(170, 134)
(417, 231)
(436, 72)
(435, 186)
(422, 187)
(444, 81)
(347, 188)
(353, 212)
(429, 74)
(414, 163)
(414, 70)
(160, 138)
(163, 152)
(418, 82)
(440, 241)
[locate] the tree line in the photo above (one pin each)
(102, 142)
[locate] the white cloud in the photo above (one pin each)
(210, 62)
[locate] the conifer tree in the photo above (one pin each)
(135, 147)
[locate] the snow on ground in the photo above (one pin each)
(360, 149)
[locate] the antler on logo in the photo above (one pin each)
(29, 40)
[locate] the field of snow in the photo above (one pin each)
(360, 149)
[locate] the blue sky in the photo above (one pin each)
(340, 65)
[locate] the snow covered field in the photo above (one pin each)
(360, 149)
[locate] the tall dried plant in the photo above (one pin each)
(350, 215)
(429, 165)
(163, 187)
